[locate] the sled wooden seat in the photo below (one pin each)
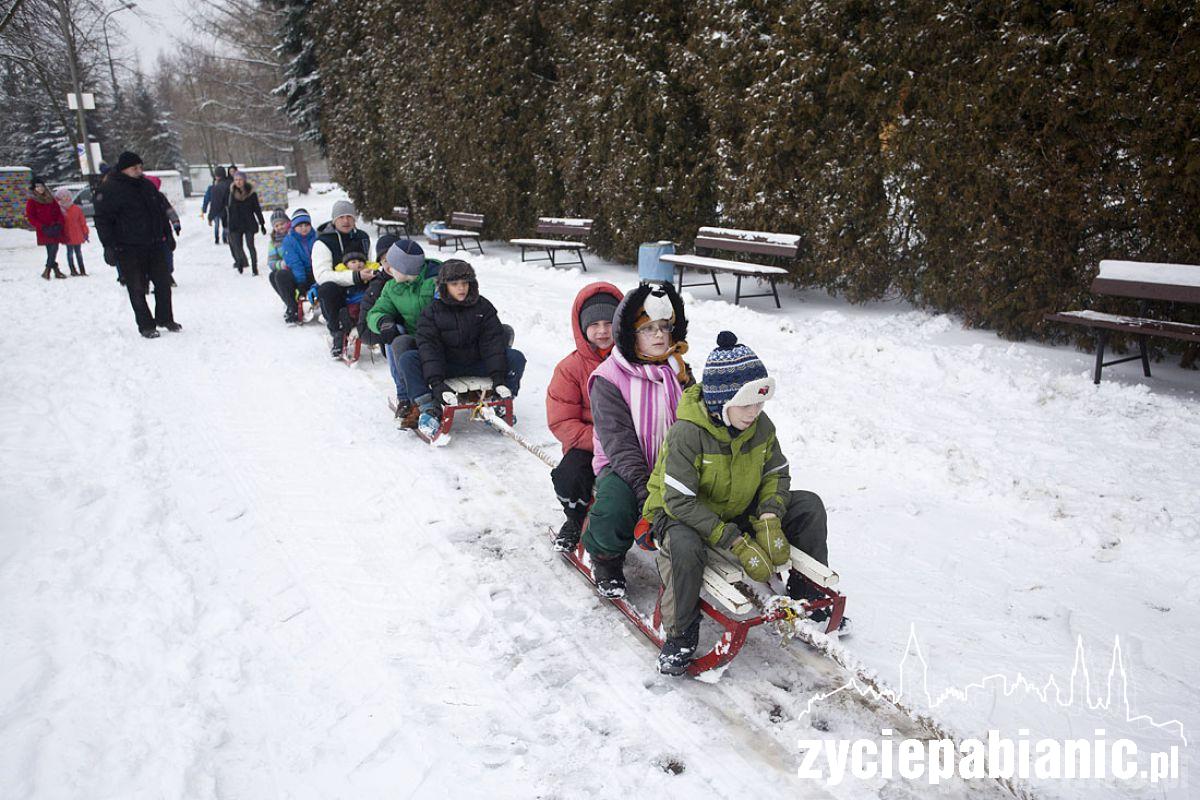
(1147, 283)
(579, 229)
(470, 227)
(777, 245)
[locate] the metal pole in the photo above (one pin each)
(112, 72)
(73, 63)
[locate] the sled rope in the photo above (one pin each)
(488, 415)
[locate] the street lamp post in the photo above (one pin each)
(112, 72)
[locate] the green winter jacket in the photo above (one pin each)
(704, 477)
(404, 301)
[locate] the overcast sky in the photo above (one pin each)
(149, 29)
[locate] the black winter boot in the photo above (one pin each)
(568, 536)
(339, 341)
(46, 273)
(74, 272)
(82, 271)
(677, 651)
(58, 273)
(609, 573)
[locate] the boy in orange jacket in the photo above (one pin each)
(569, 410)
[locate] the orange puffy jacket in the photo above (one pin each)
(568, 409)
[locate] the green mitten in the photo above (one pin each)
(768, 533)
(754, 561)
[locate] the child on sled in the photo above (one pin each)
(722, 481)
(459, 334)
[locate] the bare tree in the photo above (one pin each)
(223, 92)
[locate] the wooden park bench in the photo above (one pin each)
(1172, 283)
(778, 245)
(555, 226)
(399, 223)
(469, 228)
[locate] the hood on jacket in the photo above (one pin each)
(585, 347)
(624, 332)
(241, 194)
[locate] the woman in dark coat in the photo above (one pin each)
(245, 216)
(46, 217)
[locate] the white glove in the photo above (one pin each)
(502, 391)
(449, 399)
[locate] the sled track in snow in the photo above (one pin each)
(755, 703)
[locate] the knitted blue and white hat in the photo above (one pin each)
(734, 376)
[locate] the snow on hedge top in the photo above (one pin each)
(1145, 272)
(785, 239)
(258, 169)
(564, 221)
(15, 169)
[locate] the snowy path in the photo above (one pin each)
(225, 574)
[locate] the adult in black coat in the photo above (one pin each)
(133, 227)
(218, 205)
(244, 216)
(459, 334)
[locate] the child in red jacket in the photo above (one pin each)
(75, 230)
(569, 410)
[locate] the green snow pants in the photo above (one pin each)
(683, 554)
(614, 514)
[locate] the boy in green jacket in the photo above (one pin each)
(394, 315)
(721, 481)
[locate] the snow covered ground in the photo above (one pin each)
(224, 573)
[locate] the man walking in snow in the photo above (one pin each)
(135, 231)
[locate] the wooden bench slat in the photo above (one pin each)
(454, 232)
(705, 262)
(466, 220)
(557, 244)
(1136, 325)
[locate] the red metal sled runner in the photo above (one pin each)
(735, 630)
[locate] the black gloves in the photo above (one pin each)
(389, 329)
(110, 256)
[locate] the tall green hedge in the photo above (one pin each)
(973, 157)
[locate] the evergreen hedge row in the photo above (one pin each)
(973, 157)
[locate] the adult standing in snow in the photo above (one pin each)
(334, 239)
(634, 395)
(45, 216)
(133, 227)
(569, 410)
(216, 201)
(245, 217)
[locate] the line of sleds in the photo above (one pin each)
(728, 600)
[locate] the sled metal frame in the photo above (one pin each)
(730, 643)
(472, 394)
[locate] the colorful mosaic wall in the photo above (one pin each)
(14, 190)
(271, 185)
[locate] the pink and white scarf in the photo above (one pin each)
(651, 391)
